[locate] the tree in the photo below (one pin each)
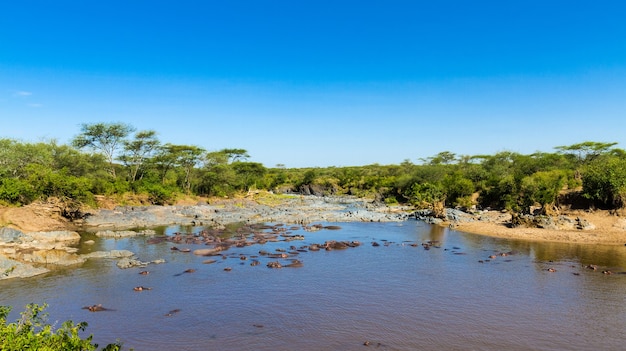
(103, 137)
(184, 156)
(15, 157)
(426, 195)
(586, 151)
(444, 157)
(249, 172)
(136, 151)
(458, 189)
(543, 188)
(604, 181)
(235, 155)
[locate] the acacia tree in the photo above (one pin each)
(170, 156)
(138, 150)
(249, 172)
(103, 137)
(235, 155)
(586, 151)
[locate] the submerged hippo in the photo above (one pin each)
(96, 308)
(141, 288)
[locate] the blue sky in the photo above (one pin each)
(319, 83)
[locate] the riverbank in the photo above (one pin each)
(36, 238)
(601, 227)
(37, 235)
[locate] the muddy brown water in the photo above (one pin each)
(396, 296)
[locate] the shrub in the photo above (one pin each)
(32, 332)
(16, 191)
(426, 195)
(604, 181)
(542, 188)
(157, 193)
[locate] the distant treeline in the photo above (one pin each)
(113, 159)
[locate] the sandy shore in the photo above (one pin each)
(609, 229)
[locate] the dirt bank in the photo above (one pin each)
(35, 217)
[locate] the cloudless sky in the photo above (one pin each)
(319, 83)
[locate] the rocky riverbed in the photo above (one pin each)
(29, 253)
(51, 242)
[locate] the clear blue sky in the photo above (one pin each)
(319, 83)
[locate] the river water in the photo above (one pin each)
(396, 296)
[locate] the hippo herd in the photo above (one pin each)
(219, 241)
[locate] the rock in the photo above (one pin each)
(128, 262)
(10, 235)
(64, 236)
(544, 222)
(56, 257)
(13, 269)
(583, 224)
(297, 210)
(121, 253)
(109, 254)
(458, 216)
(123, 233)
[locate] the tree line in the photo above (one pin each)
(115, 159)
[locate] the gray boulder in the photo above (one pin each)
(10, 235)
(13, 269)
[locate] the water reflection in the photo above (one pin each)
(609, 256)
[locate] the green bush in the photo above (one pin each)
(16, 191)
(542, 188)
(157, 193)
(32, 332)
(458, 189)
(426, 195)
(604, 181)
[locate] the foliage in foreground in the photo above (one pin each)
(32, 332)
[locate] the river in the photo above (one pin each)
(395, 296)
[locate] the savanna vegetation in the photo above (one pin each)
(115, 160)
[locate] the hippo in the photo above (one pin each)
(141, 288)
(96, 308)
(274, 264)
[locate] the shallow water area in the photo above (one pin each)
(422, 287)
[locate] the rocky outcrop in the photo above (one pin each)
(130, 262)
(28, 254)
(451, 215)
(454, 217)
(123, 233)
(40, 247)
(297, 210)
(550, 222)
(109, 254)
(14, 269)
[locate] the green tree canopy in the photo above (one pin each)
(103, 137)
